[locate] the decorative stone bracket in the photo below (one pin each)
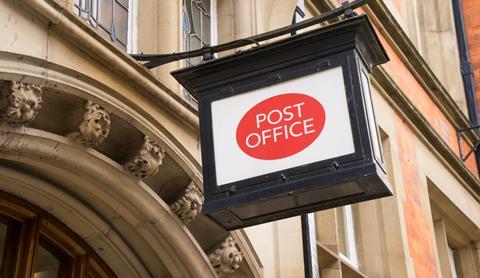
(95, 126)
(189, 205)
(147, 161)
(226, 259)
(19, 102)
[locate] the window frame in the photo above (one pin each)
(132, 29)
(30, 225)
(349, 236)
(451, 260)
(213, 25)
(90, 8)
(213, 41)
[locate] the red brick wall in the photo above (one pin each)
(419, 234)
(414, 91)
(471, 14)
(412, 88)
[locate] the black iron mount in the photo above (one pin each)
(475, 146)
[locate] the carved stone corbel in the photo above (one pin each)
(189, 205)
(19, 102)
(95, 126)
(147, 161)
(226, 259)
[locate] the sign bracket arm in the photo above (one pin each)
(155, 60)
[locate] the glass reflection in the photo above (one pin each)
(47, 265)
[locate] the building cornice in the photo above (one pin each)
(63, 21)
(399, 101)
(388, 26)
(413, 60)
(402, 45)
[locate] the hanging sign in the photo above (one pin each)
(288, 128)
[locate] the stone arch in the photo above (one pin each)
(32, 70)
(110, 209)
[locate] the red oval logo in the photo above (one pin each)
(280, 126)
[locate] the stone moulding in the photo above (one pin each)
(19, 102)
(227, 258)
(189, 205)
(147, 161)
(412, 59)
(95, 126)
(160, 237)
(73, 27)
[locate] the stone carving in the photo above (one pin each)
(147, 161)
(189, 205)
(226, 259)
(95, 126)
(19, 102)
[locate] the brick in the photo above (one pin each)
(418, 231)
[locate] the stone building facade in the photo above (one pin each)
(100, 169)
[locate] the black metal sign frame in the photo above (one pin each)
(351, 45)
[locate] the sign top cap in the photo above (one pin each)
(352, 33)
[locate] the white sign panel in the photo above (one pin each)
(286, 125)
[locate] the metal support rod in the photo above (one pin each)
(309, 246)
(309, 241)
(459, 141)
(468, 128)
(155, 60)
(298, 11)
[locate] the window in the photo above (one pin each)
(198, 30)
(456, 243)
(299, 13)
(197, 26)
(346, 235)
(34, 244)
(47, 263)
(110, 17)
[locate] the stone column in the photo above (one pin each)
(160, 32)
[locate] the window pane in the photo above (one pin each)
(123, 2)
(346, 231)
(185, 21)
(47, 264)
(206, 29)
(195, 42)
(94, 6)
(121, 24)
(196, 25)
(195, 19)
(105, 15)
(3, 237)
(206, 5)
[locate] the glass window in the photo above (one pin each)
(109, 17)
(196, 25)
(197, 31)
(48, 261)
(47, 264)
(346, 234)
(21, 223)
